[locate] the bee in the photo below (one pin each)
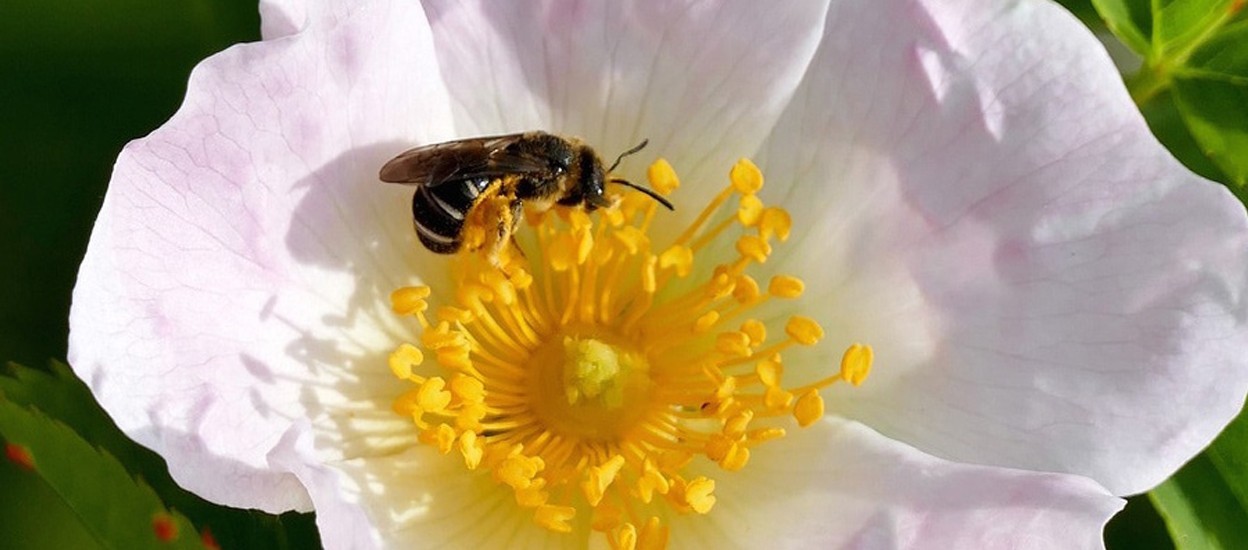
(471, 193)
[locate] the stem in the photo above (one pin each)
(1154, 77)
(1145, 84)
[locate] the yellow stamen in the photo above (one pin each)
(555, 518)
(775, 222)
(403, 359)
(804, 330)
(663, 177)
(746, 178)
(856, 364)
(409, 300)
(809, 408)
(589, 373)
(784, 286)
(750, 212)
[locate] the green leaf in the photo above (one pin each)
(1199, 510)
(1086, 13)
(1180, 25)
(1229, 454)
(1225, 55)
(1165, 30)
(117, 510)
(1167, 124)
(63, 396)
(1198, 50)
(1131, 21)
(1216, 112)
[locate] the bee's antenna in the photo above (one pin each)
(657, 197)
(639, 147)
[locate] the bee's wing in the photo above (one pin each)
(431, 165)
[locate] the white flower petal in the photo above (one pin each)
(340, 518)
(1045, 287)
(703, 81)
(280, 18)
(422, 499)
(237, 274)
(839, 484)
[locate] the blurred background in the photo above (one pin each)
(78, 80)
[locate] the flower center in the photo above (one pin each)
(590, 373)
(586, 388)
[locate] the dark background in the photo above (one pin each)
(79, 79)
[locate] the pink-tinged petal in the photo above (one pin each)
(704, 81)
(420, 498)
(237, 274)
(280, 18)
(340, 517)
(1045, 287)
(838, 484)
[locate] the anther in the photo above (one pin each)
(750, 212)
(747, 290)
(662, 177)
(756, 330)
(403, 359)
(754, 248)
(775, 222)
(555, 518)
(856, 364)
(746, 178)
(785, 286)
(698, 494)
(804, 330)
(677, 257)
(409, 300)
(808, 409)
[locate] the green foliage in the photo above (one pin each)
(1130, 20)
(1229, 456)
(1212, 92)
(117, 510)
(1199, 508)
(63, 396)
(1197, 50)
(1217, 114)
(1164, 29)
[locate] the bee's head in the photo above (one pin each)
(589, 188)
(593, 185)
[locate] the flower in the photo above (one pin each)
(1053, 303)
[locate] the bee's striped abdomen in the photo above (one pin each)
(439, 212)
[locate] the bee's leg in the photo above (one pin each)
(517, 214)
(508, 220)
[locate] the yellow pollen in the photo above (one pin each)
(746, 178)
(856, 364)
(595, 372)
(403, 359)
(594, 369)
(804, 330)
(555, 518)
(775, 221)
(784, 286)
(750, 212)
(409, 300)
(663, 177)
(809, 408)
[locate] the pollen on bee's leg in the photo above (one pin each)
(593, 372)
